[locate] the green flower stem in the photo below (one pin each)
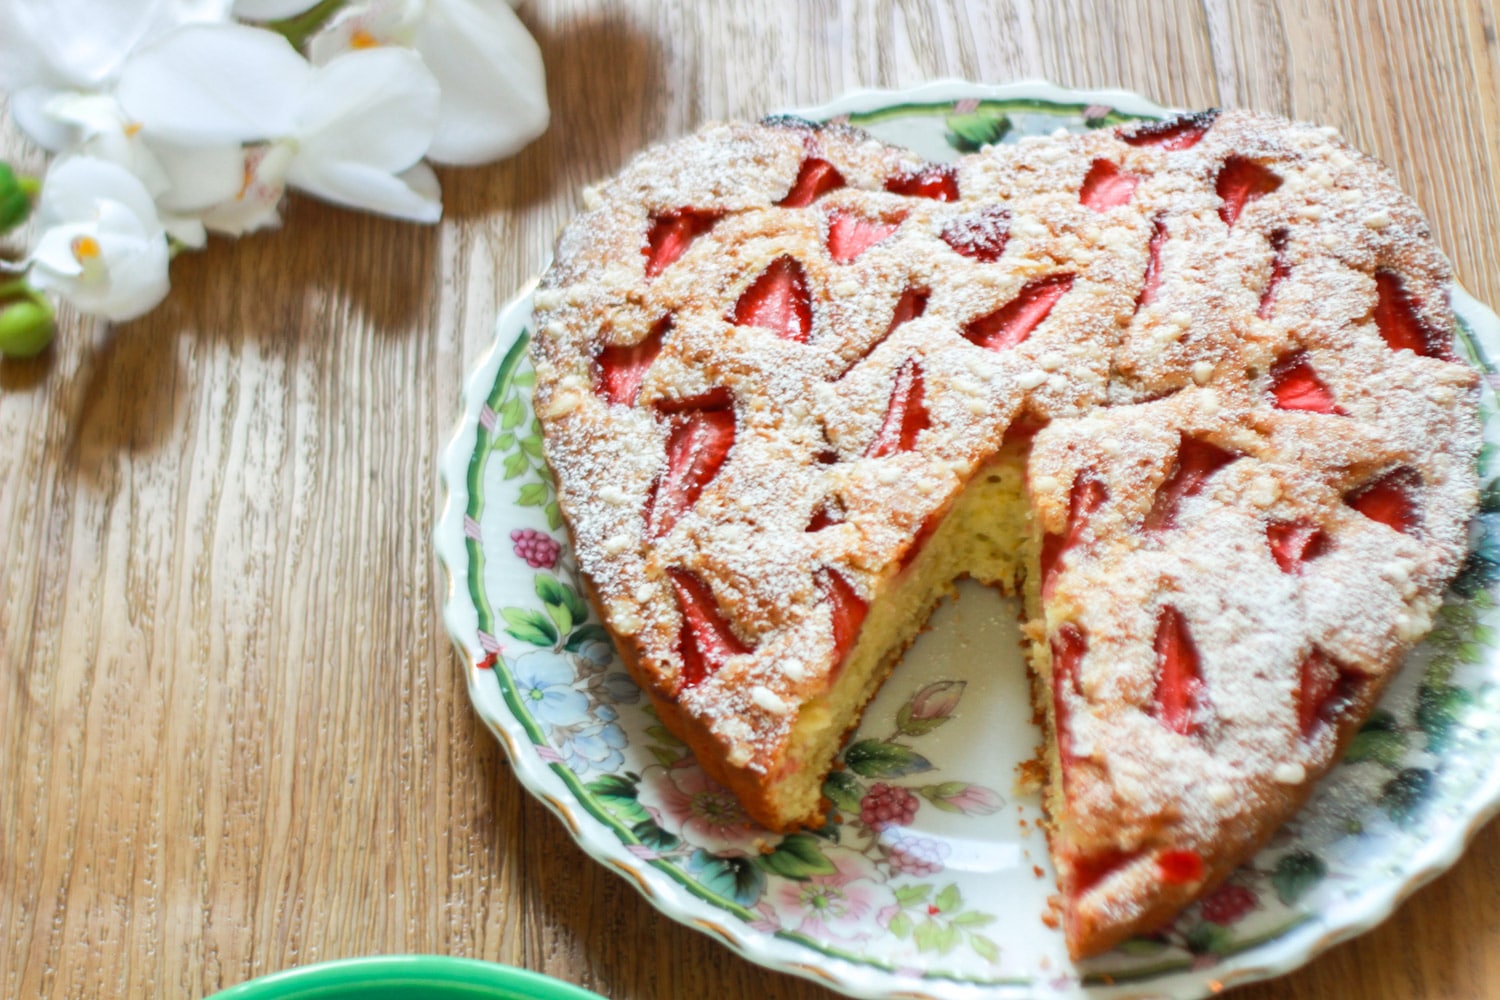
(299, 28)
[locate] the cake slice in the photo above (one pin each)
(1187, 387)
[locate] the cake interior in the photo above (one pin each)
(987, 535)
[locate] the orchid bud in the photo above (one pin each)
(25, 321)
(16, 195)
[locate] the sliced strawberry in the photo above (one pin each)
(670, 234)
(1012, 323)
(1280, 268)
(1068, 647)
(1152, 281)
(823, 517)
(1083, 872)
(919, 541)
(1087, 496)
(1390, 499)
(1295, 542)
(1197, 460)
(815, 179)
(1240, 182)
(850, 235)
(911, 304)
(905, 415)
(1295, 386)
(1182, 132)
(621, 368)
(980, 235)
(938, 181)
(706, 641)
(696, 449)
(1181, 867)
(778, 301)
(1397, 320)
(847, 611)
(1323, 688)
(1106, 186)
(1179, 676)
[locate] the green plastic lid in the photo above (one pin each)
(405, 977)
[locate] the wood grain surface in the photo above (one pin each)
(233, 734)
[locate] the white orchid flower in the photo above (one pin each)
(51, 47)
(183, 181)
(101, 244)
(352, 132)
(494, 90)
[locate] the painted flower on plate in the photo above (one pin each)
(690, 804)
(545, 687)
(596, 747)
(838, 907)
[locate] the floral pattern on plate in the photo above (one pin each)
(932, 878)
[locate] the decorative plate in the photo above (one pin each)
(933, 881)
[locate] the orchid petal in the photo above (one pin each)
(77, 44)
(75, 188)
(375, 107)
(199, 177)
(210, 84)
(412, 195)
(28, 106)
(493, 83)
(271, 10)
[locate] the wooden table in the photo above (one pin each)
(233, 734)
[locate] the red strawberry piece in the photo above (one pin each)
(1182, 132)
(980, 235)
(1197, 460)
(778, 301)
(697, 446)
(1152, 281)
(1295, 542)
(847, 611)
(622, 367)
(1322, 689)
(919, 541)
(1390, 499)
(1012, 323)
(815, 179)
(1106, 186)
(905, 414)
(850, 235)
(1180, 867)
(706, 641)
(1295, 386)
(823, 517)
(1279, 271)
(670, 234)
(1086, 496)
(1085, 871)
(1179, 678)
(1240, 182)
(911, 304)
(1397, 320)
(938, 181)
(1068, 647)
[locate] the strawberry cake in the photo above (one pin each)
(1188, 388)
